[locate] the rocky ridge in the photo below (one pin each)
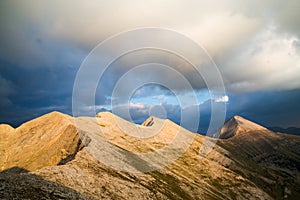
(52, 150)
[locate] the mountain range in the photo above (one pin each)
(55, 157)
(289, 130)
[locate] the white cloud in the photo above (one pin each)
(222, 99)
(136, 105)
(270, 61)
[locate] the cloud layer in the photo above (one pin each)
(255, 44)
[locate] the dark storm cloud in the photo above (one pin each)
(268, 108)
(34, 92)
(6, 90)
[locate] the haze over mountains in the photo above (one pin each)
(49, 157)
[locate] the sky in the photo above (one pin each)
(255, 45)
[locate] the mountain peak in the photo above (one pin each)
(48, 140)
(148, 122)
(237, 125)
(237, 117)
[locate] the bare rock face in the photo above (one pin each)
(184, 179)
(45, 141)
(53, 157)
(5, 132)
(271, 160)
(17, 183)
(237, 125)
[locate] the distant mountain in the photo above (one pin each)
(271, 160)
(290, 130)
(50, 158)
(237, 125)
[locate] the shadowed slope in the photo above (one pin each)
(271, 160)
(17, 183)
